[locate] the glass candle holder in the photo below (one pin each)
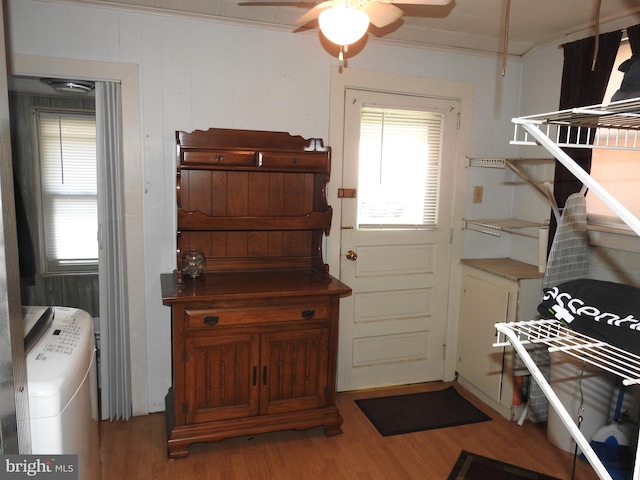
(193, 263)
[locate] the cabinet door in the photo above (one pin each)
(221, 377)
(294, 370)
(484, 303)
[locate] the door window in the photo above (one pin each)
(399, 167)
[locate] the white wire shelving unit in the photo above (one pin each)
(497, 226)
(558, 338)
(612, 126)
(515, 226)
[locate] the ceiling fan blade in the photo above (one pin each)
(314, 13)
(381, 14)
(422, 2)
(277, 4)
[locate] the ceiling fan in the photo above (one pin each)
(344, 22)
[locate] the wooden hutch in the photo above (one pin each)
(254, 338)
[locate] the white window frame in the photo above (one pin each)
(50, 263)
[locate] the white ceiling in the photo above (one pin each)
(463, 25)
(475, 25)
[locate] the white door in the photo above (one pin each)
(394, 256)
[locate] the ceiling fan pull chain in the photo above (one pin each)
(505, 48)
(343, 49)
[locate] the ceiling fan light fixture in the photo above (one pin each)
(343, 24)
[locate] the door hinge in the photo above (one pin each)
(444, 352)
(450, 236)
(458, 121)
(185, 407)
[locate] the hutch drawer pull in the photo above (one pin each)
(264, 375)
(211, 320)
(294, 160)
(219, 158)
(308, 314)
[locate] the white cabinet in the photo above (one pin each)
(493, 290)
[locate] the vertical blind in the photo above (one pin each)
(68, 183)
(399, 167)
(115, 334)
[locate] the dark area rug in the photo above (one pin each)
(397, 414)
(470, 466)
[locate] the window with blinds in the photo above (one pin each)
(618, 171)
(399, 168)
(68, 191)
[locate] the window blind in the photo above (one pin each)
(68, 183)
(399, 167)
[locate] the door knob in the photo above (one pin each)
(351, 255)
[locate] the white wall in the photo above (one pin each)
(505, 193)
(195, 73)
(541, 79)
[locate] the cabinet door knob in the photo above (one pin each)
(211, 320)
(308, 314)
(351, 255)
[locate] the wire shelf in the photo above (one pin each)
(495, 227)
(487, 162)
(612, 126)
(559, 338)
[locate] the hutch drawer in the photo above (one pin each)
(296, 161)
(207, 318)
(237, 158)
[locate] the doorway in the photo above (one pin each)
(67, 228)
(27, 97)
(130, 220)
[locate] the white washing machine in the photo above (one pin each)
(62, 383)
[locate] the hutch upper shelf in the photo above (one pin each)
(252, 199)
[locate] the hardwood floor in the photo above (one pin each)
(136, 449)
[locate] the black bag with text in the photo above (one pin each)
(603, 310)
